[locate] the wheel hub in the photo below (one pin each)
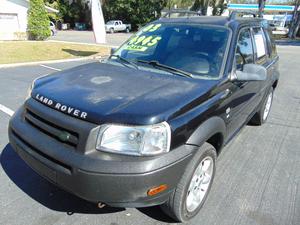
(199, 184)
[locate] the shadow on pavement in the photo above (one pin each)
(53, 197)
(79, 53)
(43, 191)
(288, 42)
(156, 213)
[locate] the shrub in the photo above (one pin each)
(38, 21)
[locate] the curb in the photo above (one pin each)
(82, 43)
(50, 61)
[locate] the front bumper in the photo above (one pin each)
(117, 180)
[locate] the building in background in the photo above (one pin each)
(13, 19)
(279, 16)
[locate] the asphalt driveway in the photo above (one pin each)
(115, 39)
(257, 180)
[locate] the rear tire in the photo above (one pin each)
(262, 115)
(192, 190)
(111, 30)
(127, 30)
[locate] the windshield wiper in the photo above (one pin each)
(125, 60)
(166, 67)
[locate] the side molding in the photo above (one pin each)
(206, 130)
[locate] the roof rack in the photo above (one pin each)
(181, 13)
(234, 14)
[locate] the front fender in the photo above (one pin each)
(212, 126)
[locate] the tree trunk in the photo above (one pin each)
(297, 26)
(295, 21)
(200, 5)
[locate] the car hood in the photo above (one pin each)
(116, 94)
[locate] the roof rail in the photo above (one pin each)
(181, 13)
(234, 14)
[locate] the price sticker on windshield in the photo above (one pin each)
(152, 27)
(136, 48)
(142, 43)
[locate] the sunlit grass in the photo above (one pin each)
(29, 51)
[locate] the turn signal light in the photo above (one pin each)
(156, 190)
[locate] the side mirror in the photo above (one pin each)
(252, 72)
(112, 51)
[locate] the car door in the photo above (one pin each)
(119, 26)
(122, 26)
(243, 93)
(116, 25)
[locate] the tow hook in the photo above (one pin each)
(101, 205)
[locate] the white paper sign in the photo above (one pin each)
(260, 45)
(98, 22)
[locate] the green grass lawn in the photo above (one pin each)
(29, 51)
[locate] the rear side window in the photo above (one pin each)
(260, 44)
(270, 43)
(244, 50)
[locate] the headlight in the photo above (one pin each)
(135, 140)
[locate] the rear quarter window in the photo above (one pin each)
(270, 42)
(260, 44)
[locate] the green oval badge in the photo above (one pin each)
(64, 136)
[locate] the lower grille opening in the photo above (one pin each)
(42, 154)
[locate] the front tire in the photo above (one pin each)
(192, 190)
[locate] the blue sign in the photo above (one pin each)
(267, 7)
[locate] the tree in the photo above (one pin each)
(38, 21)
(218, 7)
(53, 4)
(170, 4)
(295, 21)
(136, 12)
(200, 5)
(197, 5)
(182, 4)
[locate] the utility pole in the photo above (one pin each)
(261, 7)
(295, 21)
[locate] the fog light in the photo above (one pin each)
(156, 190)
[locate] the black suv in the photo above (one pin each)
(145, 126)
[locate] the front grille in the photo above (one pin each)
(62, 165)
(56, 132)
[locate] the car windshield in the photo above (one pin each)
(110, 22)
(196, 49)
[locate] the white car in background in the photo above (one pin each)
(117, 26)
